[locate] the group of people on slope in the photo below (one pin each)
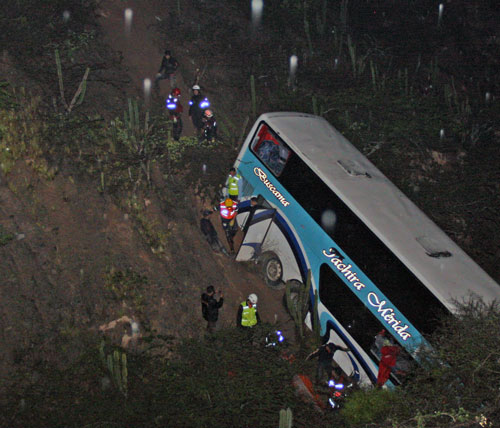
(228, 209)
(202, 117)
(247, 315)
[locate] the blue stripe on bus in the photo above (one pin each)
(331, 325)
(294, 245)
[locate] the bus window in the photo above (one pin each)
(371, 255)
(270, 149)
(349, 311)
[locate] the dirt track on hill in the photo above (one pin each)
(142, 56)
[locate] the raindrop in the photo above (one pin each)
(294, 61)
(135, 328)
(257, 7)
(487, 97)
(440, 16)
(335, 63)
(66, 15)
(204, 168)
(147, 89)
(328, 220)
(441, 134)
(128, 20)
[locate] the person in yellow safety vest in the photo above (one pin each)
(228, 210)
(232, 184)
(247, 313)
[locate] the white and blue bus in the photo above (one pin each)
(377, 261)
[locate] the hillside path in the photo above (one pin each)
(142, 57)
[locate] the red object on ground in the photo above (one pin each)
(304, 387)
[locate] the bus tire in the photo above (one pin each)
(272, 270)
(295, 286)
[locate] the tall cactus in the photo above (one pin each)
(286, 418)
(315, 316)
(299, 306)
(116, 364)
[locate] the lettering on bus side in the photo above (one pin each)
(272, 188)
(387, 314)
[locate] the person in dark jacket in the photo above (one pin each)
(208, 230)
(326, 363)
(209, 130)
(210, 307)
(167, 69)
(197, 105)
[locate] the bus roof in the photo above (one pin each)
(397, 221)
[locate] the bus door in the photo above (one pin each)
(256, 226)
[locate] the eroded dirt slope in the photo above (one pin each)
(77, 259)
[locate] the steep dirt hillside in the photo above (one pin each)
(74, 258)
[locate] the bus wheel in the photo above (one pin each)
(295, 286)
(272, 270)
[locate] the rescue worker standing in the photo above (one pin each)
(174, 108)
(248, 316)
(228, 210)
(167, 69)
(232, 184)
(197, 105)
(209, 130)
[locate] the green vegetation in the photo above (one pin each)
(232, 379)
(225, 381)
(127, 287)
(5, 237)
(391, 100)
(460, 391)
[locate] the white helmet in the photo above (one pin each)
(196, 88)
(252, 298)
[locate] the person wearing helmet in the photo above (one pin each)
(209, 126)
(174, 108)
(167, 69)
(248, 316)
(228, 210)
(197, 106)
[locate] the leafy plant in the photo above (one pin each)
(127, 286)
(5, 237)
(79, 95)
(365, 407)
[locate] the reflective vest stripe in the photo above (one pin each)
(232, 184)
(228, 212)
(249, 315)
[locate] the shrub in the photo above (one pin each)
(371, 406)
